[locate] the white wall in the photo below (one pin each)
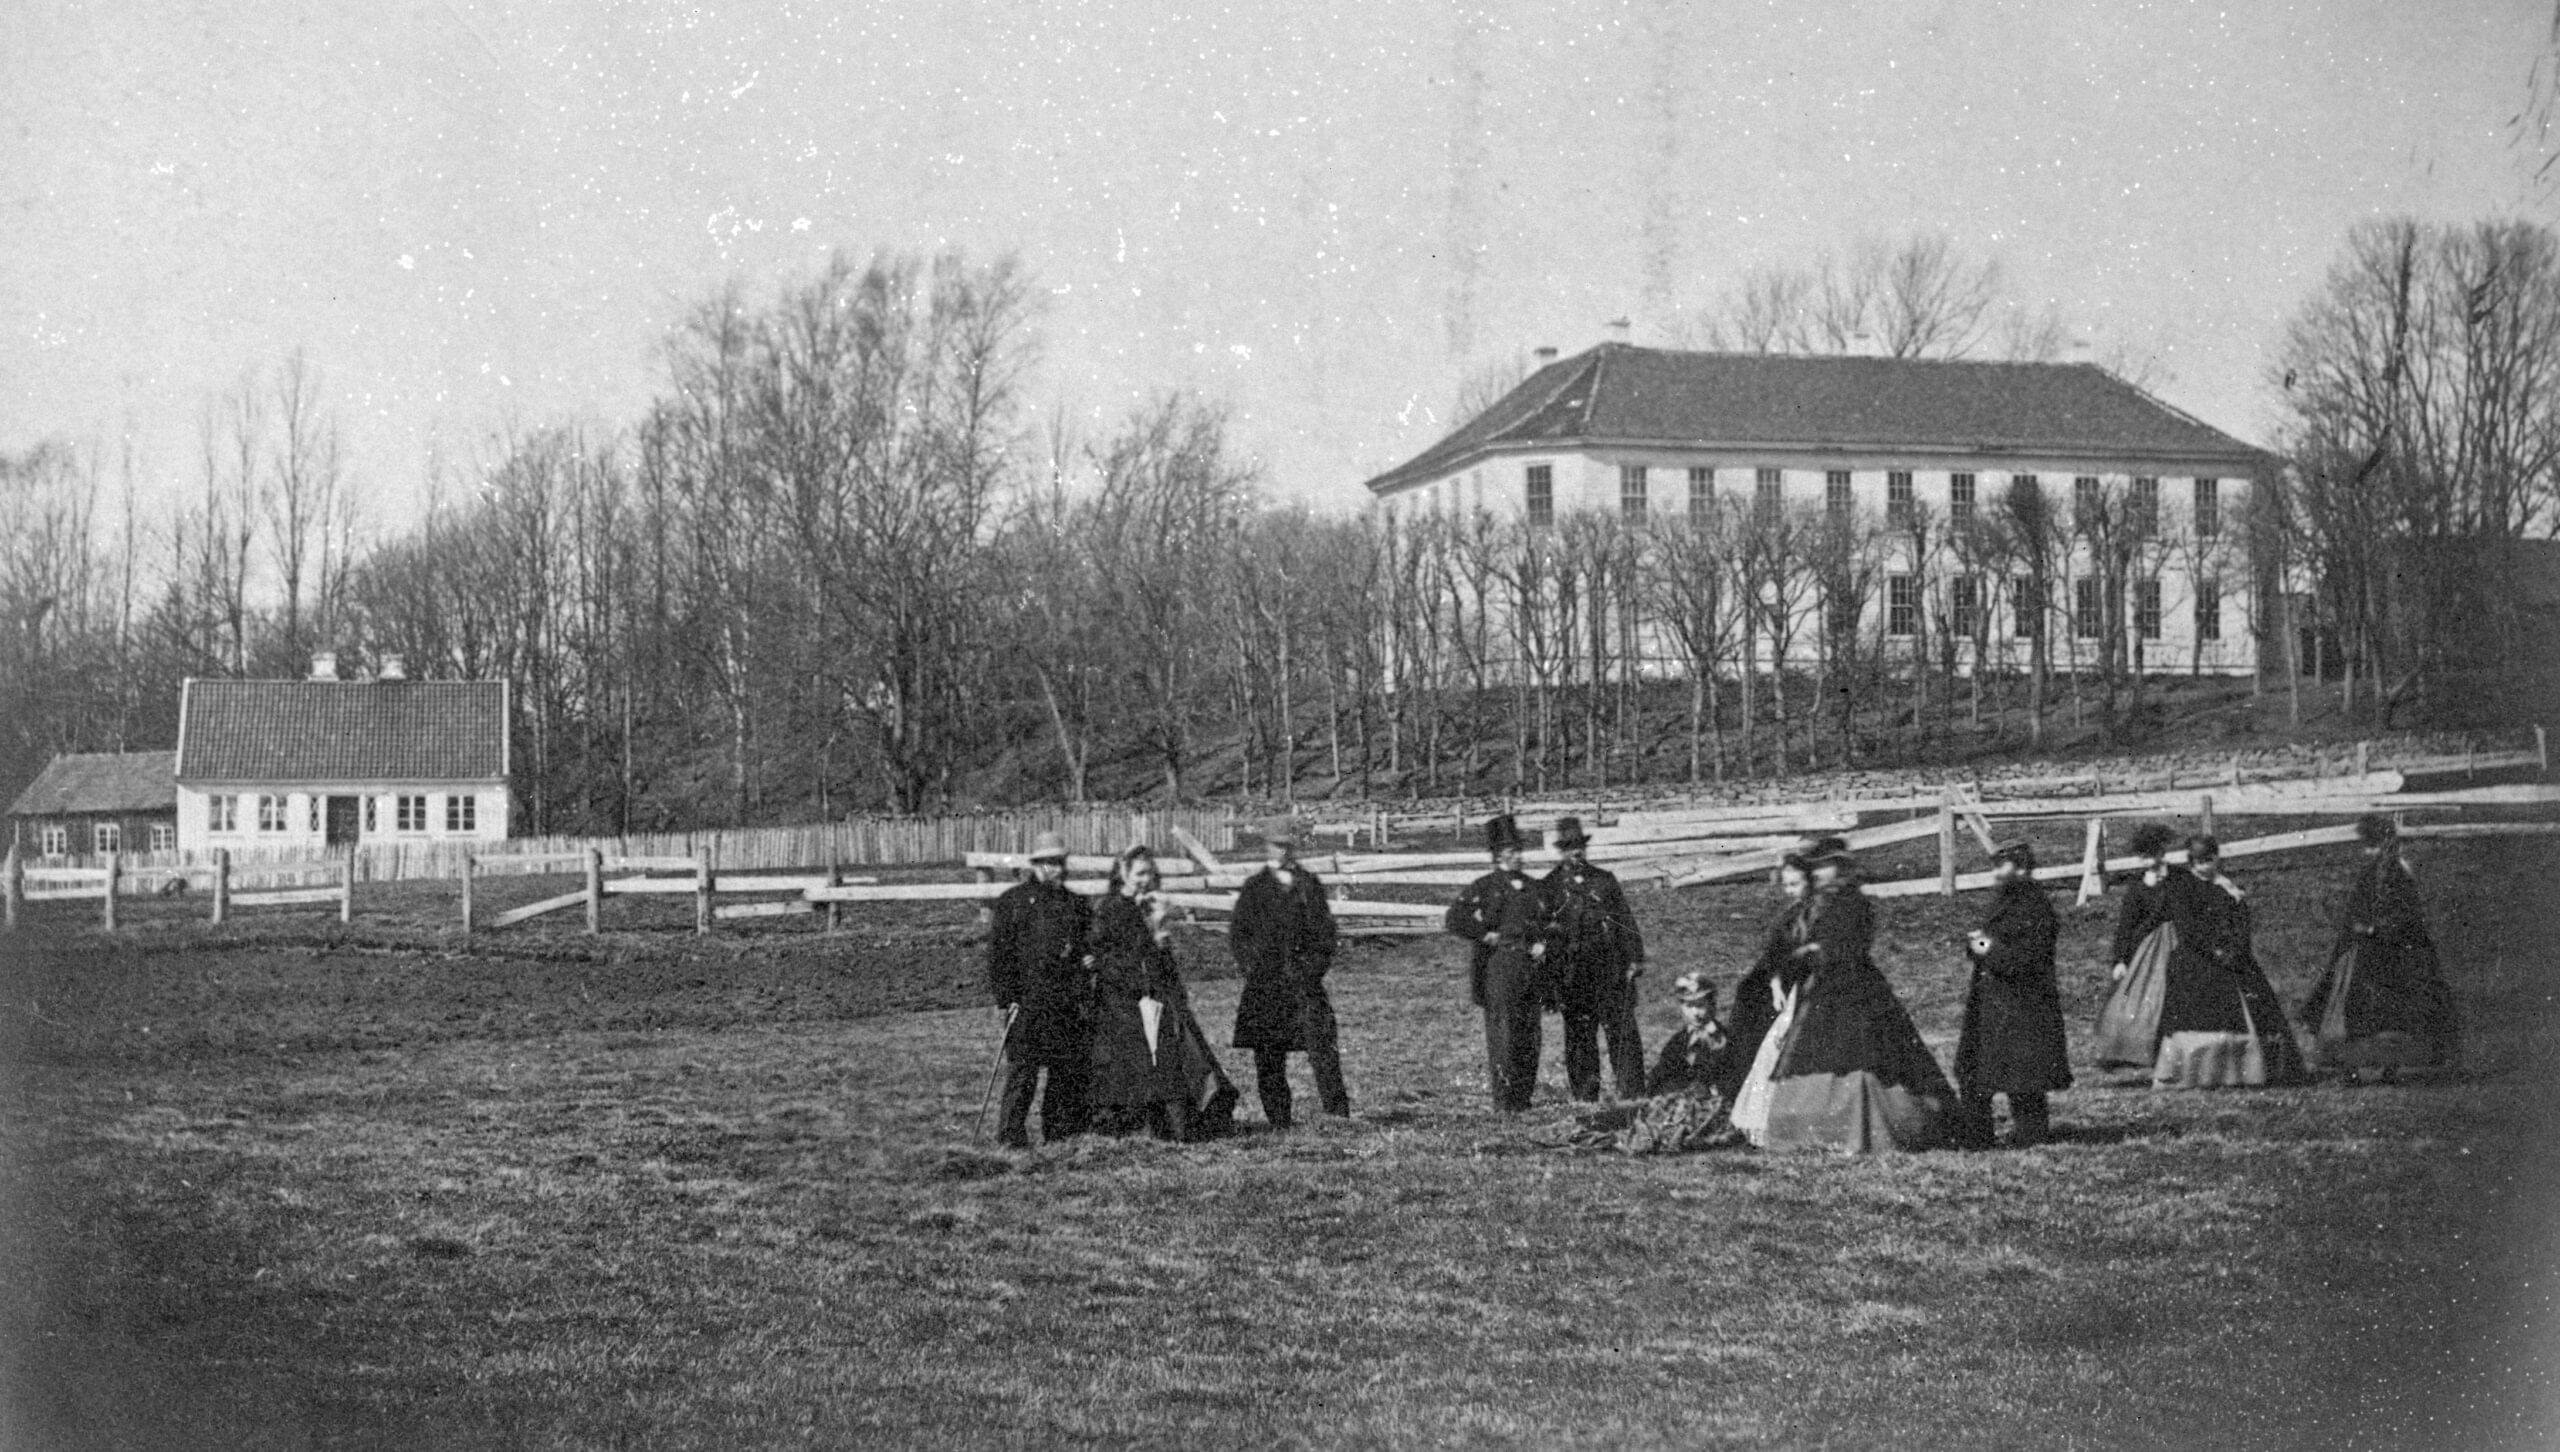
(305, 816)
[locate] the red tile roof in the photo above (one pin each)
(342, 731)
(101, 782)
(1621, 395)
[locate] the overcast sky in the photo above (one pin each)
(473, 215)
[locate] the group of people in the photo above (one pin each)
(1818, 1050)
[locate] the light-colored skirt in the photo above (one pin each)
(1751, 1102)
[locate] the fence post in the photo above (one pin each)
(2235, 771)
(2092, 863)
(221, 884)
(347, 886)
(835, 878)
(595, 890)
(986, 906)
(16, 875)
(702, 889)
(115, 864)
(2204, 815)
(2360, 756)
(1946, 842)
(467, 864)
(2542, 748)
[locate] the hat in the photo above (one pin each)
(2373, 828)
(1048, 847)
(2017, 850)
(1501, 834)
(1832, 850)
(1282, 831)
(2201, 848)
(2151, 839)
(1568, 833)
(1694, 988)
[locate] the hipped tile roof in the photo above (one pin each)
(343, 731)
(97, 782)
(1616, 394)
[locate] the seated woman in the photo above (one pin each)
(2221, 1024)
(1151, 1063)
(1684, 1104)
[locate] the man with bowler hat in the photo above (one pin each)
(2012, 1041)
(1599, 955)
(1037, 969)
(1283, 938)
(1506, 915)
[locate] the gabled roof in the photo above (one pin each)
(1616, 394)
(342, 731)
(101, 782)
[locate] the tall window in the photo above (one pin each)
(270, 814)
(2146, 608)
(1835, 492)
(1959, 497)
(2031, 603)
(54, 841)
(1631, 492)
(1769, 493)
(2088, 610)
(411, 814)
(2085, 500)
(222, 813)
(1901, 605)
(1897, 496)
(461, 812)
(2208, 507)
(164, 838)
(1964, 605)
(2146, 507)
(317, 815)
(1702, 493)
(106, 837)
(2208, 609)
(1542, 494)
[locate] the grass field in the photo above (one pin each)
(299, 1186)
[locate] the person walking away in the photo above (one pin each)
(1283, 939)
(2128, 1034)
(2383, 1003)
(1037, 968)
(1598, 957)
(1506, 916)
(2221, 1024)
(2012, 1041)
(1138, 1064)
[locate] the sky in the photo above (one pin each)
(473, 218)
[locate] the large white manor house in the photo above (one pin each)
(1924, 454)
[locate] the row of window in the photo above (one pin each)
(2088, 608)
(2093, 505)
(54, 838)
(408, 813)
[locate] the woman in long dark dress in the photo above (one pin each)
(2383, 1004)
(1764, 1002)
(1852, 1073)
(2129, 1021)
(1144, 1064)
(2221, 1024)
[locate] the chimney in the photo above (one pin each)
(1621, 329)
(393, 669)
(1546, 355)
(324, 665)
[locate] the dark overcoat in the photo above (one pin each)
(1596, 938)
(1128, 965)
(2212, 973)
(1697, 1062)
(1515, 910)
(1282, 936)
(1847, 1017)
(1035, 958)
(2012, 1042)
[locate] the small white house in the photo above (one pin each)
(326, 762)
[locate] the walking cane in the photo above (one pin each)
(996, 1068)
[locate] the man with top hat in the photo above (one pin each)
(1283, 937)
(1507, 917)
(1037, 968)
(2012, 1042)
(1598, 955)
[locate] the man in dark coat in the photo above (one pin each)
(1036, 967)
(2012, 1041)
(1283, 938)
(1598, 955)
(1507, 916)
(2383, 1003)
